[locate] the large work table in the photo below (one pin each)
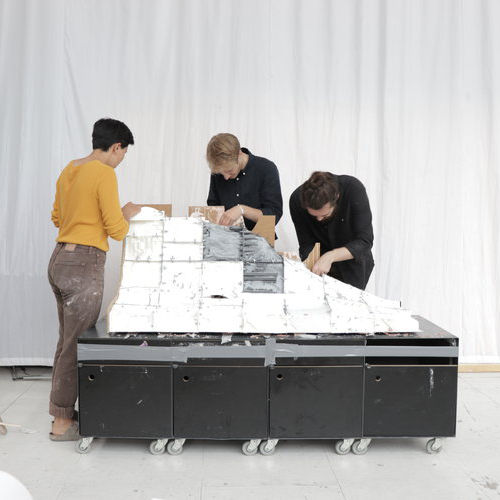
(263, 388)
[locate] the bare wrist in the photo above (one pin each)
(332, 256)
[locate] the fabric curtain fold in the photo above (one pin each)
(401, 94)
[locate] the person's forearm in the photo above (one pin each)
(253, 214)
(339, 254)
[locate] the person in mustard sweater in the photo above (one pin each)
(86, 211)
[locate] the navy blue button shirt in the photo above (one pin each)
(257, 186)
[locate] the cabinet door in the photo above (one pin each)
(220, 402)
(125, 401)
(316, 402)
(410, 401)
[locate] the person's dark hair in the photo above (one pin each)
(108, 132)
(321, 188)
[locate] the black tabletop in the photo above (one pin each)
(98, 334)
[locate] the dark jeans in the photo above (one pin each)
(76, 275)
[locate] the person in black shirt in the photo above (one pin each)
(334, 211)
(246, 185)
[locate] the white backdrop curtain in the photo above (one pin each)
(405, 95)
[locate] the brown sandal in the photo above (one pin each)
(71, 434)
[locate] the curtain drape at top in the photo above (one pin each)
(401, 94)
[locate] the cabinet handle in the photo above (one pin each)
(185, 378)
(279, 376)
(378, 378)
(91, 377)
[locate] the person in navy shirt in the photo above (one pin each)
(245, 184)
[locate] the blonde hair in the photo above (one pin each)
(221, 149)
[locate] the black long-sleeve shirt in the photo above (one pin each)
(256, 186)
(350, 227)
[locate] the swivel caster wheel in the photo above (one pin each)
(157, 447)
(175, 447)
(268, 447)
(83, 445)
(360, 447)
(343, 447)
(433, 446)
(251, 447)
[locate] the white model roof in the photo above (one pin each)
(184, 274)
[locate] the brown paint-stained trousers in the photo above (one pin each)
(76, 275)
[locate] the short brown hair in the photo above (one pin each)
(321, 188)
(222, 148)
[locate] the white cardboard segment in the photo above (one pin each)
(145, 228)
(177, 317)
(141, 274)
(398, 323)
(180, 279)
(127, 318)
(138, 296)
(184, 252)
(183, 230)
(264, 313)
(221, 315)
(336, 290)
(147, 248)
(307, 314)
(298, 279)
(222, 278)
(310, 321)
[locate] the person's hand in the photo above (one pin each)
(130, 209)
(229, 217)
(323, 264)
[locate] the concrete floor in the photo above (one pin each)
(467, 468)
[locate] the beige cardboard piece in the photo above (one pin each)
(313, 256)
(265, 227)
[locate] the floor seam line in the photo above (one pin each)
(335, 475)
(15, 400)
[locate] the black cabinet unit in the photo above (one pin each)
(411, 392)
(410, 401)
(325, 386)
(220, 402)
(125, 401)
(315, 402)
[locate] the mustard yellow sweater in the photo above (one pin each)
(87, 208)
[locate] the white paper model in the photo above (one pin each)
(184, 274)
